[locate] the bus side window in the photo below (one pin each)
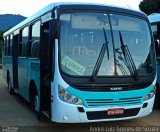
(11, 44)
(34, 40)
(158, 37)
(7, 46)
(23, 42)
(35, 49)
(4, 46)
(157, 44)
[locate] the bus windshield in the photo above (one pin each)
(82, 39)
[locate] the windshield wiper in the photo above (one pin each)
(100, 57)
(128, 59)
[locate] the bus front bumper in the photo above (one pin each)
(68, 113)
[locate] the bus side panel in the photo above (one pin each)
(7, 66)
(3, 63)
(10, 68)
(23, 78)
(4, 67)
(34, 73)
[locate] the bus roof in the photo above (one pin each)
(70, 5)
(154, 18)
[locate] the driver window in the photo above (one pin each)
(156, 35)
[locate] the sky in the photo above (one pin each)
(29, 7)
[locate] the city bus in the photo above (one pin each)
(155, 26)
(82, 62)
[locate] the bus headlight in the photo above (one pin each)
(67, 97)
(149, 95)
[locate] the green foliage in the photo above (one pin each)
(150, 6)
(1, 35)
(1, 52)
(1, 42)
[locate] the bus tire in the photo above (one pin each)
(10, 89)
(157, 98)
(34, 102)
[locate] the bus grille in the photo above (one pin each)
(104, 88)
(111, 102)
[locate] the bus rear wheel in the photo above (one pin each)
(10, 89)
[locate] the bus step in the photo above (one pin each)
(46, 113)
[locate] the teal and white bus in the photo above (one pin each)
(155, 25)
(77, 63)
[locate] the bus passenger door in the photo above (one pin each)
(45, 60)
(156, 34)
(15, 60)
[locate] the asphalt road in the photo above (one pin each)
(16, 115)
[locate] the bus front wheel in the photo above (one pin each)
(36, 107)
(35, 103)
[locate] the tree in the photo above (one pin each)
(1, 35)
(150, 6)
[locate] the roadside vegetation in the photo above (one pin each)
(0, 52)
(1, 40)
(150, 6)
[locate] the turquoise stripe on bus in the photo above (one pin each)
(111, 99)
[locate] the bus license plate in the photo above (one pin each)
(118, 111)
